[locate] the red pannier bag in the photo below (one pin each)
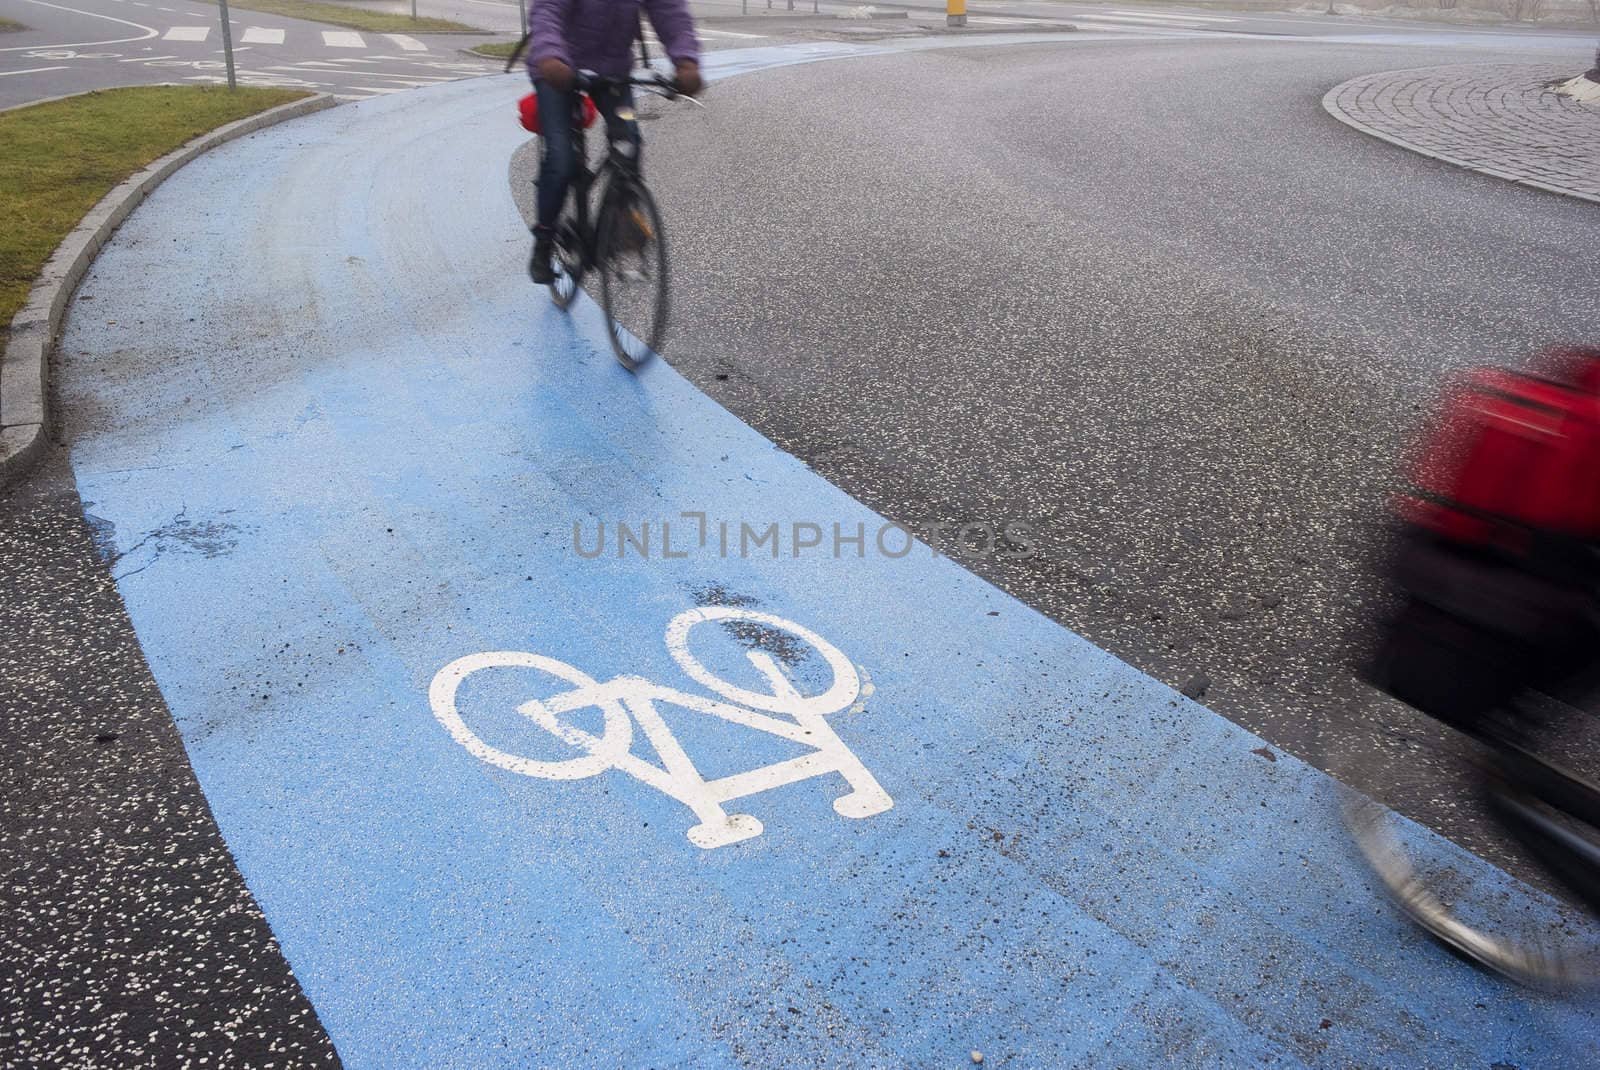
(1497, 555)
(1515, 461)
(528, 111)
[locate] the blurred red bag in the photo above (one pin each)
(1516, 459)
(528, 111)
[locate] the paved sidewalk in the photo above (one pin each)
(1498, 119)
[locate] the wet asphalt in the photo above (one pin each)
(130, 939)
(1146, 299)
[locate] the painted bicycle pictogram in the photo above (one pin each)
(630, 702)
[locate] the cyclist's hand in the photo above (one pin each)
(687, 80)
(558, 74)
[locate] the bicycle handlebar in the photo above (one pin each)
(588, 81)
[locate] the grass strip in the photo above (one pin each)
(10, 26)
(59, 158)
(494, 49)
(355, 18)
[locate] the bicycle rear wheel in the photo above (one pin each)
(633, 273)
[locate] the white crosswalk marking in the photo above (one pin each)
(1184, 15)
(342, 39)
(1123, 22)
(187, 33)
(410, 44)
(257, 35)
(703, 32)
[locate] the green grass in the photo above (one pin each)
(495, 49)
(58, 159)
(8, 26)
(356, 18)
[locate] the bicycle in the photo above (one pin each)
(623, 239)
(1545, 808)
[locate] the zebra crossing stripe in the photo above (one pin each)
(342, 39)
(187, 33)
(410, 44)
(257, 35)
(1185, 16)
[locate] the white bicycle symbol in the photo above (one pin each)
(782, 711)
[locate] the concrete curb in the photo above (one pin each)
(1332, 108)
(24, 363)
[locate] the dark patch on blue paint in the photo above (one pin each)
(103, 536)
(791, 650)
(208, 538)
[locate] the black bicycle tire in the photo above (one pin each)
(568, 280)
(614, 197)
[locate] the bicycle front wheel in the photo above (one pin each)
(567, 262)
(633, 273)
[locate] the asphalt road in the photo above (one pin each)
(129, 937)
(1147, 299)
(97, 44)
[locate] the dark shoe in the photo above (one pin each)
(539, 269)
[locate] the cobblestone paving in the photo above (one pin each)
(1500, 119)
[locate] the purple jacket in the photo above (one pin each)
(597, 35)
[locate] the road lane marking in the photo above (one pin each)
(145, 59)
(1174, 15)
(342, 39)
(31, 70)
(410, 44)
(781, 711)
(260, 35)
(409, 83)
(187, 33)
(149, 31)
(1154, 22)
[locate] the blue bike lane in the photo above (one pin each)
(338, 444)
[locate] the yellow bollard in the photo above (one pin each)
(955, 12)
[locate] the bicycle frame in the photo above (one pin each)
(616, 170)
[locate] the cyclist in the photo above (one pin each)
(596, 35)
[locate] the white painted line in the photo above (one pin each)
(30, 70)
(1153, 22)
(145, 59)
(148, 33)
(376, 89)
(1175, 15)
(342, 39)
(258, 35)
(1118, 22)
(187, 33)
(729, 33)
(407, 83)
(410, 44)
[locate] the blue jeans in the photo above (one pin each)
(560, 154)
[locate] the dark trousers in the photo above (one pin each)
(560, 153)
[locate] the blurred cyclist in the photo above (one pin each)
(596, 35)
